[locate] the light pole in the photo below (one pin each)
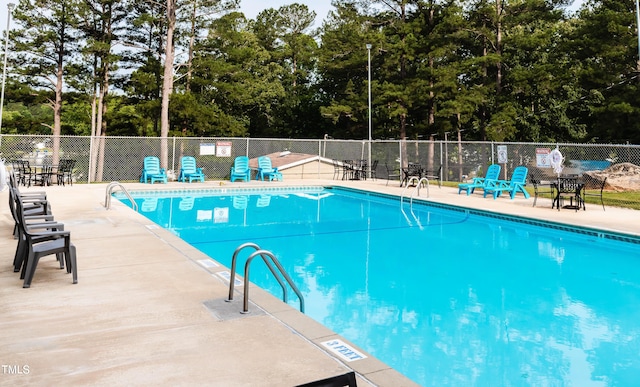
(10, 6)
(446, 154)
(369, 92)
(638, 31)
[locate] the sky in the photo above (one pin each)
(251, 8)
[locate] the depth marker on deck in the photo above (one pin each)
(226, 275)
(207, 263)
(343, 350)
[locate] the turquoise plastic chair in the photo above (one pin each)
(492, 175)
(151, 171)
(189, 170)
(513, 186)
(240, 169)
(265, 169)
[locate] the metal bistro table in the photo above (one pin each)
(43, 173)
(411, 170)
(568, 187)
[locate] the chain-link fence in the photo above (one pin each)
(101, 159)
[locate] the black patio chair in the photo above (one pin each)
(34, 244)
(392, 173)
(373, 169)
(34, 209)
(539, 190)
(336, 169)
(569, 188)
(65, 171)
(347, 170)
(25, 173)
(434, 175)
(596, 194)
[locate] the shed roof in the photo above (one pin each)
(286, 159)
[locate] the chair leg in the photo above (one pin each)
(18, 260)
(29, 270)
(72, 266)
(60, 257)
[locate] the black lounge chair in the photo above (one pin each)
(346, 380)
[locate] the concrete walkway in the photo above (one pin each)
(146, 312)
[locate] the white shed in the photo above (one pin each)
(299, 165)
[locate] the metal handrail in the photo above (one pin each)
(233, 271)
(411, 179)
(418, 188)
(109, 191)
(262, 254)
(418, 184)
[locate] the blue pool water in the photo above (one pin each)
(445, 296)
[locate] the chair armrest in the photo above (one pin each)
(36, 229)
(47, 217)
(34, 194)
(49, 235)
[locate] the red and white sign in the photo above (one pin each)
(542, 157)
(223, 148)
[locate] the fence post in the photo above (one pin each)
(319, 155)
(90, 159)
(173, 154)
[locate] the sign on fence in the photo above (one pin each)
(502, 154)
(223, 148)
(207, 149)
(542, 157)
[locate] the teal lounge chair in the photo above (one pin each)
(513, 186)
(240, 169)
(189, 170)
(492, 175)
(265, 169)
(151, 171)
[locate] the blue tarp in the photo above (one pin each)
(589, 165)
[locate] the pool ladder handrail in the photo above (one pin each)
(417, 188)
(264, 254)
(109, 190)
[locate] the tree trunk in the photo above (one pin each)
(499, 46)
(102, 124)
(192, 40)
(57, 110)
(167, 84)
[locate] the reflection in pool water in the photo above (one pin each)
(445, 297)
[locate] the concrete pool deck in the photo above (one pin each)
(146, 312)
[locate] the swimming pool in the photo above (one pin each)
(447, 296)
